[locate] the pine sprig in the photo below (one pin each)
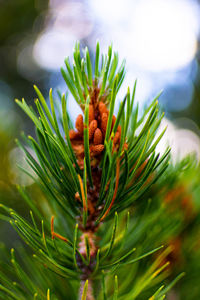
(90, 175)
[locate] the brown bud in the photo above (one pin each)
(79, 124)
(96, 149)
(73, 135)
(92, 128)
(91, 113)
(104, 120)
(98, 137)
(102, 108)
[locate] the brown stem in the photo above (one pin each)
(89, 291)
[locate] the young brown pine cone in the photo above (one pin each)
(91, 113)
(79, 124)
(104, 121)
(98, 137)
(92, 128)
(98, 119)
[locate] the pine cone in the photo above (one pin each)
(102, 108)
(73, 135)
(92, 128)
(98, 137)
(104, 121)
(79, 124)
(91, 113)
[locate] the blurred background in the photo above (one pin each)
(159, 39)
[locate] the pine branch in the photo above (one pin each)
(89, 176)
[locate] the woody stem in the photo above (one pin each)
(87, 269)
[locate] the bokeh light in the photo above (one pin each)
(51, 49)
(182, 141)
(67, 22)
(164, 34)
(155, 34)
(159, 40)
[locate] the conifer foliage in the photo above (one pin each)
(87, 244)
